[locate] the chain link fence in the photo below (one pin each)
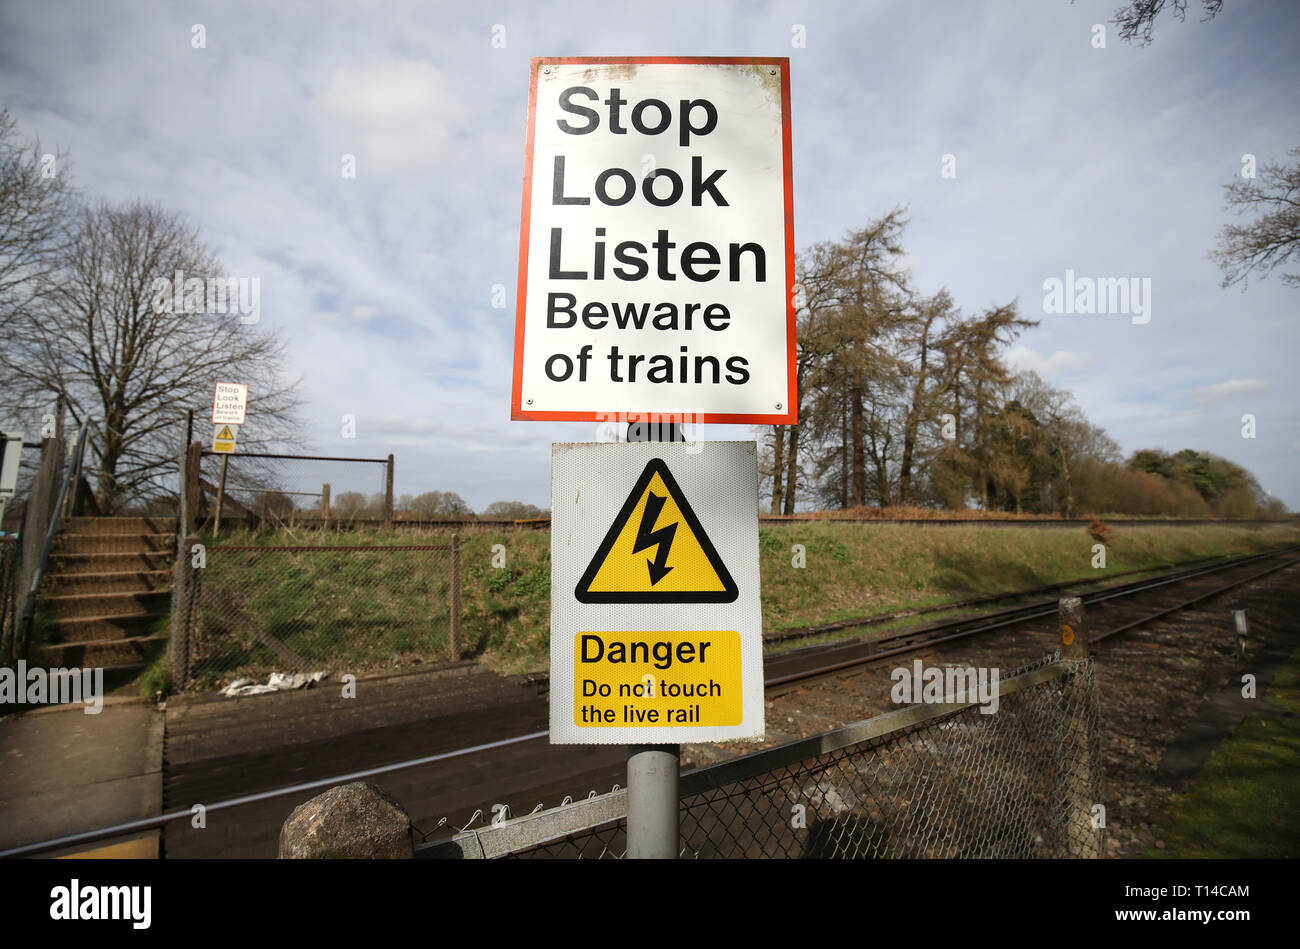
(244, 611)
(928, 781)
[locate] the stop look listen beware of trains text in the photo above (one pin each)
(698, 261)
(657, 241)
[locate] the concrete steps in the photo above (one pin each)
(111, 581)
(114, 543)
(67, 565)
(107, 584)
(86, 628)
(116, 655)
(94, 526)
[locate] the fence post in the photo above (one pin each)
(455, 597)
(193, 491)
(388, 493)
(1082, 839)
(186, 587)
(325, 505)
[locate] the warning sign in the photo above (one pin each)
(656, 628)
(229, 403)
(656, 262)
(223, 437)
(656, 551)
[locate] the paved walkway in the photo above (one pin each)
(63, 772)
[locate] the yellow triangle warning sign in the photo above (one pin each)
(656, 551)
(225, 435)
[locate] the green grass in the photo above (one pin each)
(856, 570)
(1245, 801)
(384, 607)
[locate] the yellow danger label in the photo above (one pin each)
(654, 679)
(656, 551)
(223, 446)
(224, 434)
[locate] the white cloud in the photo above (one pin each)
(1226, 390)
(1022, 357)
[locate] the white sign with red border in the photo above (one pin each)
(656, 266)
(230, 403)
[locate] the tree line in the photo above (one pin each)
(906, 400)
(429, 506)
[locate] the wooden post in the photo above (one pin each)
(1082, 839)
(183, 608)
(325, 505)
(388, 494)
(193, 492)
(454, 633)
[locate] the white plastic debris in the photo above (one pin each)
(276, 682)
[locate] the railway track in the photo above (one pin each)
(1147, 601)
(466, 758)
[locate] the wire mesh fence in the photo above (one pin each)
(921, 782)
(269, 491)
(249, 610)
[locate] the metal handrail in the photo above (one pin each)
(74, 466)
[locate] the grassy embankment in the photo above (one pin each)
(1243, 801)
(852, 570)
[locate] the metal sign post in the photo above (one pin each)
(653, 829)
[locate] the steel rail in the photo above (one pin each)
(1038, 613)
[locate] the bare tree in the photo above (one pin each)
(1272, 239)
(1137, 20)
(35, 199)
(103, 337)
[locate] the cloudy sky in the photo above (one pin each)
(1108, 162)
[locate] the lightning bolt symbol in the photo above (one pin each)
(661, 539)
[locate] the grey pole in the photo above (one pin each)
(652, 831)
(652, 770)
